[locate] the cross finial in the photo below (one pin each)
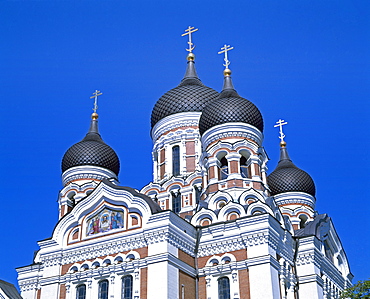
(95, 95)
(225, 49)
(189, 31)
(280, 123)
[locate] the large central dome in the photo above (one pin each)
(191, 95)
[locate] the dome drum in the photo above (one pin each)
(86, 172)
(232, 130)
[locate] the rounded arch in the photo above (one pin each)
(107, 262)
(219, 200)
(250, 196)
(213, 261)
(203, 214)
(231, 209)
(132, 255)
(227, 258)
(258, 208)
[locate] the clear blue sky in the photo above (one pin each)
(307, 62)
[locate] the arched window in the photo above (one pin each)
(224, 288)
(127, 287)
(224, 169)
(103, 289)
(176, 160)
(244, 167)
(81, 291)
(176, 202)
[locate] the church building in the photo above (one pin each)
(212, 224)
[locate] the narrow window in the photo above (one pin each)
(198, 192)
(81, 291)
(176, 160)
(303, 221)
(223, 288)
(176, 202)
(224, 169)
(127, 287)
(243, 167)
(103, 289)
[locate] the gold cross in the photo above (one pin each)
(189, 31)
(95, 95)
(225, 49)
(280, 123)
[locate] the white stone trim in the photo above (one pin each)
(183, 119)
(86, 172)
(232, 130)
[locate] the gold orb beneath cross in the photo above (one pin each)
(227, 72)
(94, 116)
(190, 57)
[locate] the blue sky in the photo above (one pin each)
(307, 62)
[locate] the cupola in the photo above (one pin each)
(229, 107)
(289, 178)
(191, 95)
(91, 156)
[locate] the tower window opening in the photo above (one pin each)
(81, 291)
(103, 289)
(176, 202)
(244, 167)
(127, 287)
(224, 169)
(176, 160)
(198, 192)
(303, 219)
(224, 288)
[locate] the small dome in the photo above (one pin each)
(289, 178)
(230, 107)
(191, 95)
(91, 151)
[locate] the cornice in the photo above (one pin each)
(230, 130)
(171, 122)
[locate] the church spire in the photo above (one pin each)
(190, 70)
(228, 87)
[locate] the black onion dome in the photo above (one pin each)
(289, 178)
(230, 107)
(191, 95)
(91, 151)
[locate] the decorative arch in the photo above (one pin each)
(231, 209)
(219, 200)
(203, 214)
(258, 208)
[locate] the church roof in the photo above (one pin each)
(289, 178)
(9, 290)
(230, 107)
(91, 150)
(191, 95)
